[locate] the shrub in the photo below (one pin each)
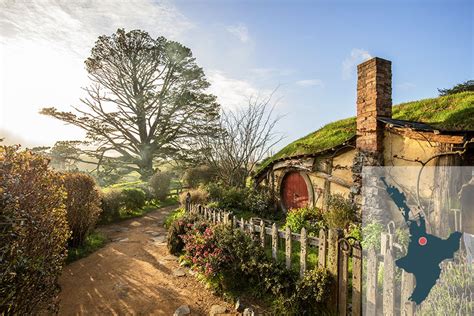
(33, 243)
(242, 199)
(111, 203)
(160, 184)
(311, 294)
(174, 216)
(260, 203)
(202, 175)
(198, 196)
(201, 249)
(133, 198)
(341, 212)
(175, 232)
(246, 266)
(82, 205)
(309, 218)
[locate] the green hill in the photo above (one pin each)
(451, 112)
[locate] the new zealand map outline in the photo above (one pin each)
(425, 251)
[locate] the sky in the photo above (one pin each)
(306, 50)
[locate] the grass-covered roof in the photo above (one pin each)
(451, 112)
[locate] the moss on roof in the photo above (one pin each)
(451, 112)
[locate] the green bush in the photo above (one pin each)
(33, 242)
(341, 212)
(133, 198)
(311, 295)
(160, 184)
(111, 205)
(194, 177)
(82, 205)
(238, 200)
(309, 218)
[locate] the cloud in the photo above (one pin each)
(76, 25)
(231, 93)
(309, 82)
(349, 64)
(239, 30)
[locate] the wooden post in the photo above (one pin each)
(288, 248)
(322, 249)
(303, 254)
(188, 202)
(213, 216)
(234, 221)
(407, 307)
(251, 228)
(343, 276)
(333, 237)
(388, 281)
(332, 264)
(275, 242)
(357, 279)
(372, 272)
(262, 233)
(242, 222)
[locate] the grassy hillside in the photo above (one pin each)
(452, 112)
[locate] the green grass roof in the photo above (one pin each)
(452, 112)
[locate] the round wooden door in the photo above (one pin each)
(294, 191)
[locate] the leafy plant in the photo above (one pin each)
(82, 205)
(160, 184)
(175, 232)
(310, 296)
(309, 218)
(133, 198)
(341, 212)
(111, 204)
(33, 234)
(174, 216)
(371, 235)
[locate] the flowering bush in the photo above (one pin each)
(176, 230)
(201, 248)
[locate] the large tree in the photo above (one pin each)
(146, 103)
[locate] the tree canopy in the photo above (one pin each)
(147, 102)
(462, 87)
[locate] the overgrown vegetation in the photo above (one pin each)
(33, 233)
(242, 201)
(82, 205)
(232, 264)
(309, 218)
(160, 184)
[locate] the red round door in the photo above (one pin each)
(294, 191)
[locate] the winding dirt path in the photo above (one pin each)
(133, 275)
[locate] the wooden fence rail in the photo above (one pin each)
(343, 257)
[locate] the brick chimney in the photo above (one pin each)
(374, 100)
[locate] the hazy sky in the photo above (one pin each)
(308, 48)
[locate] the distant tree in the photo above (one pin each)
(147, 102)
(63, 155)
(246, 136)
(462, 87)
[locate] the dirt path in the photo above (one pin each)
(133, 275)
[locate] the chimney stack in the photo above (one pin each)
(374, 100)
